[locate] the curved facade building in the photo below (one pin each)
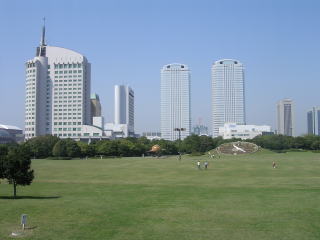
(175, 101)
(57, 92)
(228, 94)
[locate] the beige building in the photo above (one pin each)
(95, 105)
(285, 117)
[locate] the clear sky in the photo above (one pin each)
(127, 42)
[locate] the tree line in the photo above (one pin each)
(54, 147)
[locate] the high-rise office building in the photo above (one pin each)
(313, 120)
(124, 108)
(57, 92)
(175, 101)
(95, 105)
(228, 94)
(285, 117)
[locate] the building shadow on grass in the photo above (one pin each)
(29, 197)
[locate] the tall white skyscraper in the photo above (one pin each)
(313, 120)
(228, 94)
(285, 121)
(175, 101)
(57, 92)
(124, 108)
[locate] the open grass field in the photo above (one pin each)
(238, 197)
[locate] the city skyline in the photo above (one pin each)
(274, 42)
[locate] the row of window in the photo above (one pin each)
(67, 109)
(68, 105)
(70, 76)
(66, 129)
(30, 64)
(79, 113)
(66, 101)
(70, 71)
(56, 97)
(70, 84)
(65, 89)
(67, 118)
(73, 65)
(67, 123)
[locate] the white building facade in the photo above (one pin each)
(123, 125)
(175, 102)
(228, 93)
(57, 92)
(285, 117)
(233, 130)
(313, 121)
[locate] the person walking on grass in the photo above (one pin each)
(206, 165)
(199, 165)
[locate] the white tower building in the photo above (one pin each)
(228, 94)
(57, 92)
(124, 108)
(175, 101)
(285, 122)
(313, 121)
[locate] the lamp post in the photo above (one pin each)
(179, 130)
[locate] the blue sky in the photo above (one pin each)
(127, 42)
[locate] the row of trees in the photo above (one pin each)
(281, 142)
(15, 163)
(51, 146)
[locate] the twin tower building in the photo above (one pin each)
(58, 98)
(228, 98)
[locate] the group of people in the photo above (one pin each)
(205, 164)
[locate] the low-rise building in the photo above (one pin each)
(233, 130)
(15, 133)
(152, 135)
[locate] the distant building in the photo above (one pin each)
(200, 130)
(123, 125)
(152, 135)
(233, 130)
(228, 93)
(285, 117)
(313, 120)
(95, 105)
(175, 107)
(11, 134)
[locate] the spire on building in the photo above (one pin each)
(41, 50)
(43, 41)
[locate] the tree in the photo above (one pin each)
(60, 149)
(41, 147)
(73, 150)
(107, 147)
(16, 167)
(3, 155)
(86, 149)
(66, 148)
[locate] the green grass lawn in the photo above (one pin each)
(238, 197)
